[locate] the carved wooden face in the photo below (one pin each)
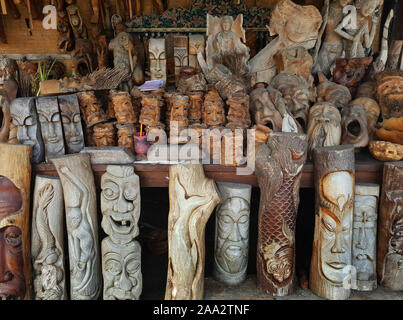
(334, 93)
(213, 114)
(12, 281)
(51, 126)
(354, 126)
(390, 93)
(264, 111)
(335, 225)
(71, 119)
(123, 108)
(10, 198)
(121, 267)
(196, 103)
(349, 72)
(120, 203)
(233, 235)
(157, 59)
(91, 108)
(364, 236)
(371, 109)
(8, 69)
(25, 118)
(150, 112)
(104, 135)
(179, 110)
(125, 135)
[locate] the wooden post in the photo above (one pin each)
(390, 228)
(15, 241)
(192, 198)
(278, 169)
(82, 225)
(334, 204)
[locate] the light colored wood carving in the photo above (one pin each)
(196, 45)
(82, 226)
(47, 239)
(192, 198)
(386, 151)
(181, 54)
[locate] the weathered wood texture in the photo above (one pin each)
(278, 167)
(192, 198)
(390, 228)
(15, 169)
(334, 204)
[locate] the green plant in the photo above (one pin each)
(43, 73)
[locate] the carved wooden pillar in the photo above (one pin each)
(364, 234)
(390, 228)
(232, 233)
(47, 239)
(278, 169)
(121, 255)
(15, 242)
(334, 204)
(192, 198)
(82, 226)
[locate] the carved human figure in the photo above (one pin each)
(364, 235)
(156, 50)
(47, 239)
(123, 108)
(8, 69)
(354, 126)
(51, 126)
(324, 126)
(278, 169)
(390, 228)
(82, 227)
(192, 199)
(328, 91)
(71, 119)
(104, 134)
(91, 108)
(25, 118)
(331, 256)
(76, 22)
(232, 233)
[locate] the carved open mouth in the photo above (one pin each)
(233, 250)
(75, 140)
(336, 265)
(122, 226)
(53, 140)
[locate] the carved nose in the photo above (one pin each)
(24, 133)
(73, 129)
(337, 246)
(122, 205)
(234, 235)
(124, 282)
(361, 244)
(51, 129)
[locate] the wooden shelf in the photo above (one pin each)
(367, 169)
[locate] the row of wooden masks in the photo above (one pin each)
(345, 226)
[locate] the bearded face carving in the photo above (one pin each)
(354, 125)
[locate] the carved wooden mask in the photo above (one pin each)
(332, 92)
(390, 93)
(354, 126)
(91, 108)
(213, 109)
(125, 135)
(156, 50)
(123, 108)
(104, 134)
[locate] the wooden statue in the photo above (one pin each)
(91, 108)
(47, 245)
(213, 110)
(295, 26)
(364, 235)
(8, 69)
(123, 108)
(82, 226)
(51, 126)
(238, 115)
(25, 118)
(324, 126)
(76, 22)
(181, 55)
(328, 91)
(354, 126)
(232, 233)
(334, 205)
(104, 134)
(71, 120)
(195, 106)
(192, 198)
(15, 246)
(196, 45)
(390, 228)
(125, 135)
(121, 254)
(6, 117)
(386, 151)
(150, 114)
(372, 112)
(157, 59)
(278, 169)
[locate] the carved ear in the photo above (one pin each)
(321, 77)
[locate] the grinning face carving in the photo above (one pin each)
(335, 225)
(120, 203)
(104, 135)
(10, 198)
(121, 267)
(12, 281)
(157, 59)
(91, 108)
(123, 107)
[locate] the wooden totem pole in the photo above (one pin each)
(278, 169)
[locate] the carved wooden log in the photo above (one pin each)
(364, 234)
(15, 242)
(390, 228)
(82, 226)
(334, 203)
(232, 233)
(278, 169)
(47, 239)
(192, 198)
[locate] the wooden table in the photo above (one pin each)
(367, 169)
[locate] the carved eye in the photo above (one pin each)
(42, 119)
(243, 219)
(114, 267)
(109, 193)
(328, 225)
(56, 117)
(133, 266)
(226, 219)
(65, 119)
(13, 238)
(129, 194)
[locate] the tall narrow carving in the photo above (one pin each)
(82, 226)
(121, 254)
(278, 169)
(390, 228)
(181, 54)
(232, 233)
(47, 239)
(192, 198)
(334, 204)
(15, 242)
